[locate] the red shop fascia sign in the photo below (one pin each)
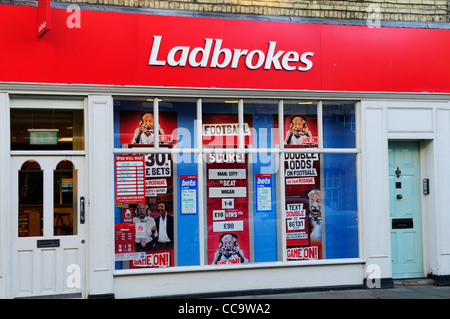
(111, 48)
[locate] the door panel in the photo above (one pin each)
(49, 238)
(405, 210)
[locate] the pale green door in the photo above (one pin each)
(405, 210)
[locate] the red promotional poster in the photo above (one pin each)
(300, 130)
(154, 219)
(124, 241)
(137, 128)
(227, 209)
(302, 189)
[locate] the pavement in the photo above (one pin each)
(403, 289)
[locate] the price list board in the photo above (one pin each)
(130, 179)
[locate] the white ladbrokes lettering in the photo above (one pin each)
(223, 57)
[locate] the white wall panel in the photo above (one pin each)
(443, 181)
(375, 184)
(410, 120)
(4, 193)
(100, 212)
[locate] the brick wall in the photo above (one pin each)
(396, 10)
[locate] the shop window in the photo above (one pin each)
(31, 197)
(321, 206)
(47, 129)
(235, 189)
(263, 183)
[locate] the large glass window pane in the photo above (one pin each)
(134, 122)
(265, 212)
(47, 129)
(264, 119)
(339, 127)
(264, 205)
(340, 205)
(221, 123)
(31, 197)
(321, 206)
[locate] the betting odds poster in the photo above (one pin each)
(302, 189)
(149, 214)
(226, 191)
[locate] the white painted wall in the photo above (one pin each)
(192, 280)
(100, 202)
(4, 194)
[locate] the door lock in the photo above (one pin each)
(399, 196)
(398, 172)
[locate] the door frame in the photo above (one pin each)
(423, 172)
(58, 254)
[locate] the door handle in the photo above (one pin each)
(82, 217)
(399, 196)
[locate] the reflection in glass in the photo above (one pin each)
(340, 205)
(47, 129)
(264, 122)
(221, 123)
(339, 126)
(31, 194)
(64, 198)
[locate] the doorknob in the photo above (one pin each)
(399, 196)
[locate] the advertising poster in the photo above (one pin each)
(154, 219)
(137, 128)
(129, 178)
(302, 190)
(300, 130)
(264, 192)
(151, 211)
(223, 129)
(227, 208)
(188, 187)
